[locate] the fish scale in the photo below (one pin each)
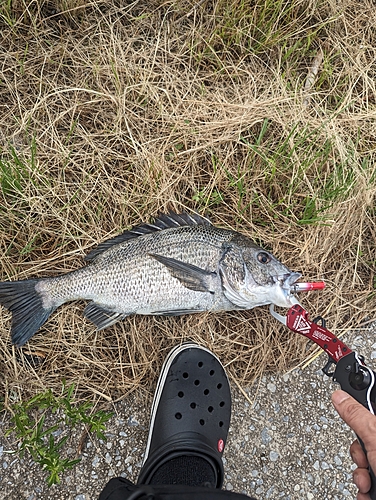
(129, 280)
(180, 264)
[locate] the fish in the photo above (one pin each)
(178, 264)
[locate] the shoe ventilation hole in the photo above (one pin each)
(197, 382)
(219, 386)
(200, 364)
(222, 404)
(181, 394)
(221, 424)
(202, 421)
(210, 409)
(206, 392)
(193, 405)
(185, 375)
(178, 416)
(211, 373)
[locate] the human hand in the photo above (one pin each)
(364, 424)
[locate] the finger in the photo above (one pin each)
(362, 496)
(358, 455)
(357, 417)
(362, 480)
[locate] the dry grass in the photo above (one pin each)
(113, 113)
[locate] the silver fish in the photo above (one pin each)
(179, 264)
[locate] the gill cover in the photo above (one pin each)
(236, 279)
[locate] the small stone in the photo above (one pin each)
(108, 458)
(133, 422)
(265, 437)
(273, 455)
(271, 387)
(269, 492)
(80, 497)
(337, 460)
(229, 487)
(276, 407)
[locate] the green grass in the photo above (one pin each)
(15, 171)
(117, 112)
(6, 12)
(40, 440)
(240, 29)
(299, 175)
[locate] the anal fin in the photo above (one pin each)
(101, 317)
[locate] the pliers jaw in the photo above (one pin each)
(278, 317)
(290, 290)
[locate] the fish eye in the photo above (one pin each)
(264, 258)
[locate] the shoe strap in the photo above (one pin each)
(182, 444)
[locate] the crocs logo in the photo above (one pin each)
(220, 445)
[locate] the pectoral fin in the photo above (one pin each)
(190, 276)
(101, 317)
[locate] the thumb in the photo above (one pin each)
(355, 415)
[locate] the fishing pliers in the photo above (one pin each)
(344, 365)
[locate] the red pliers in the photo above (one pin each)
(344, 365)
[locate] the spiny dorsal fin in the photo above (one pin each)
(163, 221)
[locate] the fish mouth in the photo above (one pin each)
(286, 282)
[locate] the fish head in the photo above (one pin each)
(252, 277)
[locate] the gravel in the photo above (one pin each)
(285, 442)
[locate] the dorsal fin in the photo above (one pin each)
(163, 221)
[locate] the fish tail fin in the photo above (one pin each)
(25, 303)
